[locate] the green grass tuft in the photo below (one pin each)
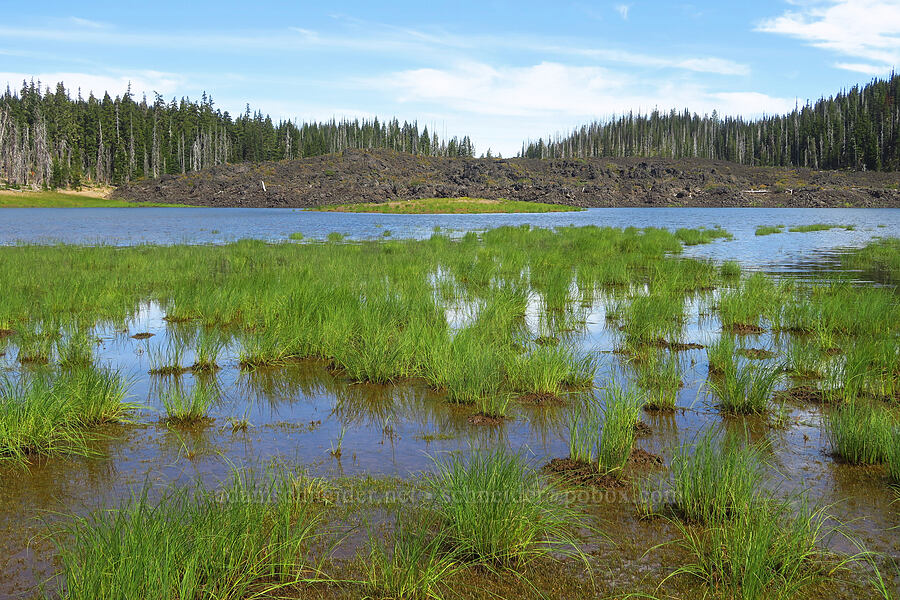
(498, 512)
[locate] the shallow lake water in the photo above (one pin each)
(297, 414)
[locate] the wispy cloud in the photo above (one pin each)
(87, 23)
(861, 29)
(380, 39)
(623, 9)
(555, 88)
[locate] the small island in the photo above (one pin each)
(462, 205)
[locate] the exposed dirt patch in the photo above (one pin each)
(4, 333)
(744, 329)
(675, 346)
(756, 353)
(541, 398)
(385, 176)
(481, 419)
(833, 351)
(578, 472)
(641, 428)
(143, 336)
(802, 393)
(641, 458)
(573, 471)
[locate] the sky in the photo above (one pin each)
(501, 72)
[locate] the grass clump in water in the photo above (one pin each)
(771, 551)
(209, 345)
(417, 563)
(188, 408)
(693, 237)
(715, 479)
(249, 538)
(745, 389)
(818, 227)
(45, 413)
(660, 377)
(498, 512)
(879, 260)
(621, 413)
(602, 434)
(769, 229)
(861, 432)
(168, 359)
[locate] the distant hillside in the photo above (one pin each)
(378, 176)
(858, 129)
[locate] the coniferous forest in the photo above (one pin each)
(49, 139)
(856, 129)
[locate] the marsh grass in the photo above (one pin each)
(186, 408)
(417, 562)
(168, 359)
(498, 512)
(880, 260)
(769, 229)
(745, 389)
(771, 551)
(818, 227)
(36, 343)
(861, 432)
(621, 413)
(546, 370)
(76, 349)
(693, 237)
(651, 317)
(46, 413)
(209, 346)
(892, 457)
(715, 478)
(730, 270)
(251, 537)
(720, 355)
(660, 377)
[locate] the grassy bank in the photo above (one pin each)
(450, 206)
(56, 199)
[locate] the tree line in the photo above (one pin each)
(855, 129)
(49, 139)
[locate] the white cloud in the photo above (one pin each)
(863, 29)
(550, 88)
(142, 82)
(623, 9)
(87, 23)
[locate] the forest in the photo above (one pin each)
(49, 139)
(856, 129)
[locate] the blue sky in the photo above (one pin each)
(498, 71)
